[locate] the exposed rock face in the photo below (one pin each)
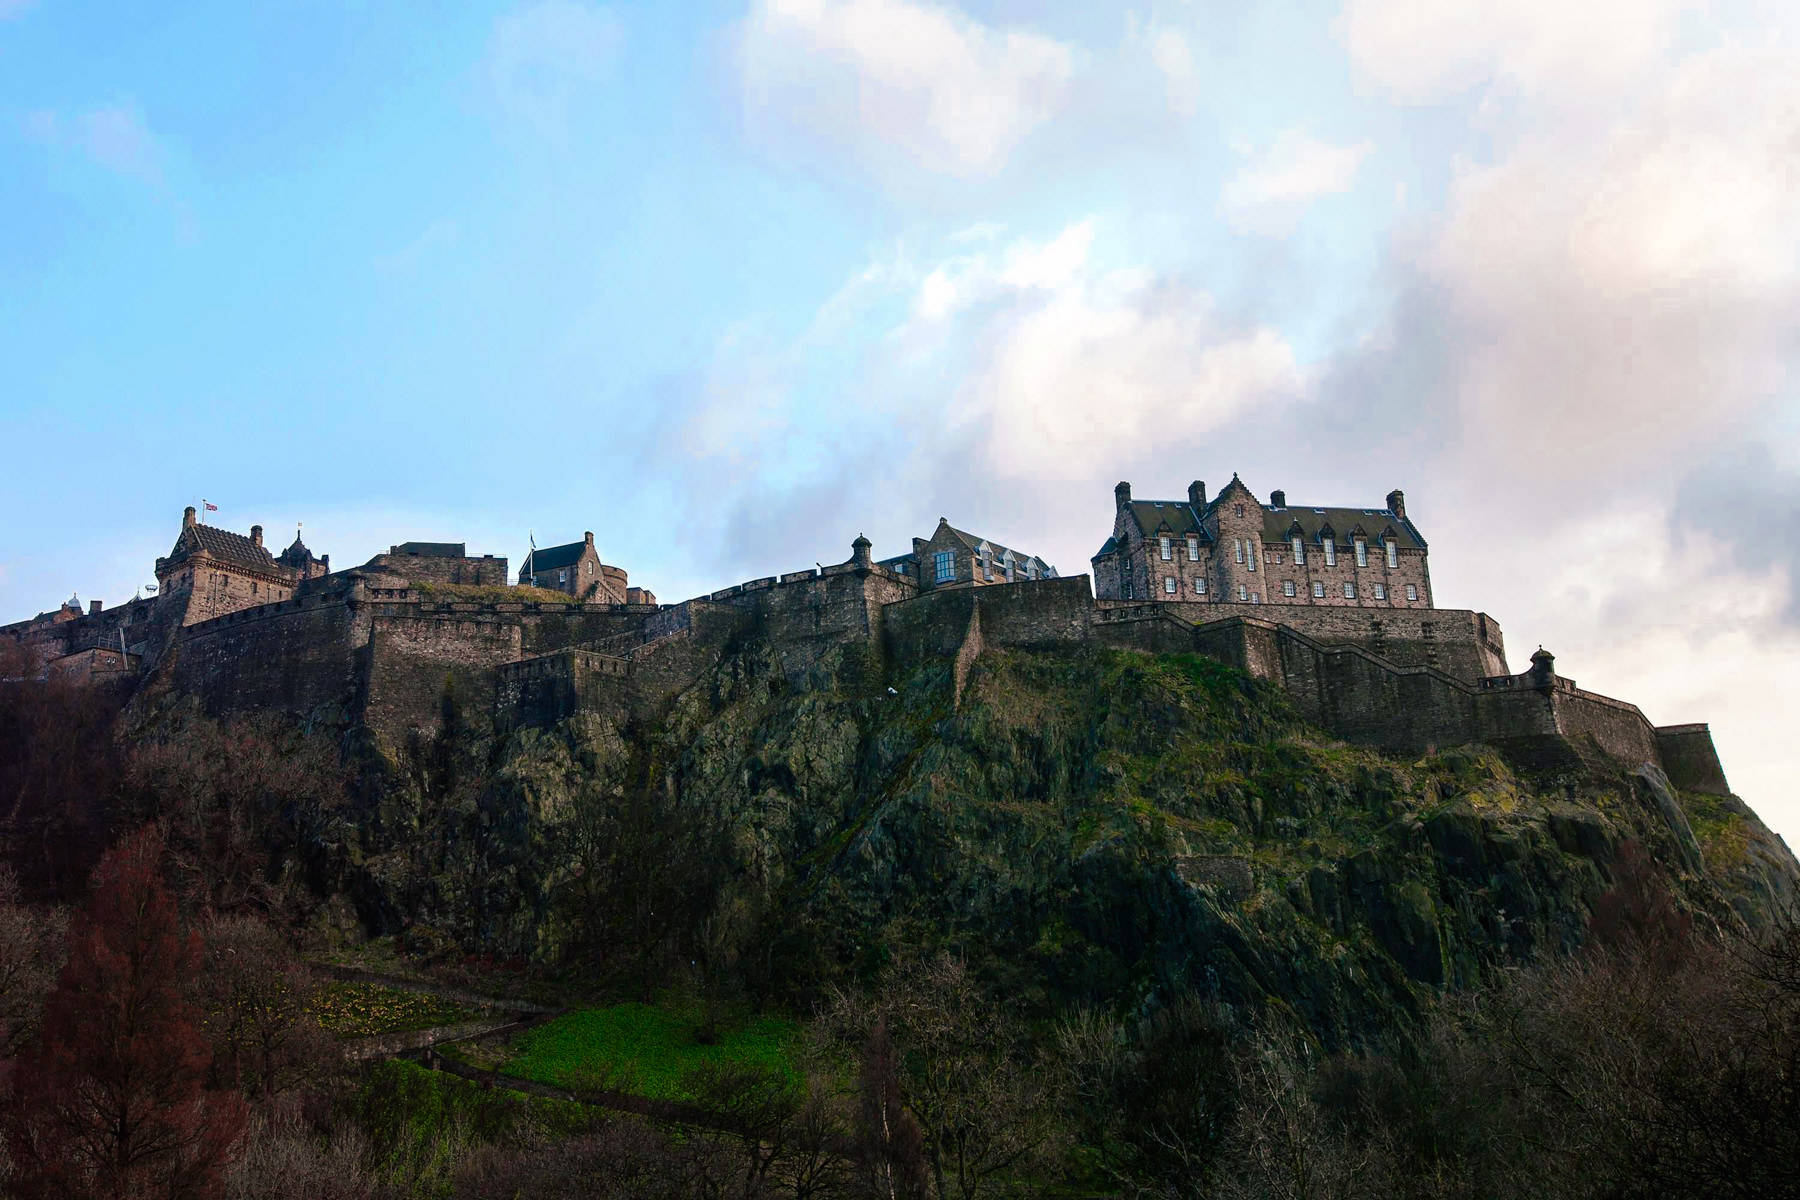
(1102, 825)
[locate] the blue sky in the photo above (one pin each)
(731, 283)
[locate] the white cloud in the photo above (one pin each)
(542, 57)
(928, 82)
(1425, 52)
(1616, 297)
(115, 136)
(1269, 193)
(1175, 59)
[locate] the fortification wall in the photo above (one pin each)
(807, 616)
(1457, 641)
(1036, 614)
(1691, 760)
(543, 690)
(300, 657)
(486, 571)
(418, 662)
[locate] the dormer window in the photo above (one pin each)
(1299, 545)
(1166, 546)
(1193, 542)
(1393, 553)
(1331, 552)
(1362, 552)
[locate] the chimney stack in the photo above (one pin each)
(1278, 498)
(1122, 494)
(1397, 502)
(1197, 494)
(187, 516)
(93, 606)
(256, 535)
(589, 535)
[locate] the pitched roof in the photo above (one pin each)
(224, 545)
(1178, 515)
(974, 543)
(549, 558)
(1278, 524)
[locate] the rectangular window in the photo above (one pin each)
(1349, 591)
(1167, 547)
(1168, 585)
(1252, 553)
(1193, 548)
(1362, 553)
(945, 562)
(1287, 587)
(1381, 591)
(1243, 592)
(1331, 552)
(1199, 587)
(562, 576)
(1393, 549)
(1237, 548)
(1412, 593)
(1318, 590)
(1299, 552)
(1255, 598)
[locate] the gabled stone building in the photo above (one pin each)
(1235, 549)
(576, 569)
(952, 558)
(212, 571)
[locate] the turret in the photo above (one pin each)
(1122, 494)
(1543, 669)
(859, 553)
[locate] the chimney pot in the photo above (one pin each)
(1122, 493)
(256, 535)
(1197, 493)
(1278, 498)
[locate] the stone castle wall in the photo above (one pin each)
(1459, 642)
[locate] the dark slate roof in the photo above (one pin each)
(296, 555)
(549, 558)
(973, 542)
(1278, 524)
(430, 549)
(224, 545)
(1111, 545)
(1178, 515)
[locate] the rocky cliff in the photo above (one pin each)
(1088, 824)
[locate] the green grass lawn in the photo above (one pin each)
(366, 1009)
(645, 1050)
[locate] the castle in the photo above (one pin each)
(1334, 605)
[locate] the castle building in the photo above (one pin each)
(576, 569)
(1234, 549)
(952, 558)
(216, 571)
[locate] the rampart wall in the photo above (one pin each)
(300, 657)
(1457, 641)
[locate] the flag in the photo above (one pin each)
(210, 506)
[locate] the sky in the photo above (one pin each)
(731, 283)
